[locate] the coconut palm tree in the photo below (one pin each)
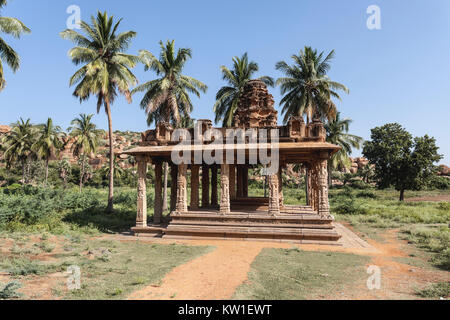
(86, 138)
(18, 145)
(106, 70)
(166, 99)
(227, 97)
(306, 88)
(64, 169)
(13, 27)
(337, 133)
(48, 143)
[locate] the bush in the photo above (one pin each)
(361, 185)
(439, 183)
(349, 207)
(436, 290)
(10, 291)
(366, 194)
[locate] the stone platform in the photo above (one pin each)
(294, 224)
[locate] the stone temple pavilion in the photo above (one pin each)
(225, 210)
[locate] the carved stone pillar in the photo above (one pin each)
(141, 219)
(232, 182)
(205, 186)
(245, 182)
(182, 189)
(214, 191)
(324, 204)
(225, 189)
(314, 195)
(174, 187)
(240, 184)
(274, 201)
(195, 175)
(280, 185)
(157, 216)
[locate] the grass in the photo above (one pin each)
(299, 275)
(434, 239)
(437, 290)
(109, 269)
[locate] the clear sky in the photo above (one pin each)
(400, 73)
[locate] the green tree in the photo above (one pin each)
(13, 27)
(106, 71)
(228, 97)
(48, 143)
(119, 172)
(401, 161)
(306, 88)
(166, 99)
(337, 133)
(86, 139)
(18, 145)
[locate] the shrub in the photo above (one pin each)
(440, 183)
(361, 185)
(349, 207)
(436, 290)
(10, 291)
(366, 194)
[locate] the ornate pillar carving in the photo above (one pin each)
(195, 175)
(274, 201)
(174, 187)
(157, 216)
(280, 185)
(324, 204)
(240, 185)
(232, 182)
(141, 219)
(225, 189)
(214, 191)
(205, 186)
(182, 189)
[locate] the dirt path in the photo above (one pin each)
(213, 276)
(216, 276)
(440, 198)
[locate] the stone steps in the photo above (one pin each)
(250, 233)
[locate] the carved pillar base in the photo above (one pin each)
(324, 204)
(232, 182)
(174, 188)
(225, 189)
(214, 192)
(182, 189)
(274, 201)
(195, 175)
(280, 186)
(141, 219)
(205, 186)
(157, 216)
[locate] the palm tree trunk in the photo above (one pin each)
(23, 171)
(110, 207)
(46, 171)
(166, 177)
(82, 172)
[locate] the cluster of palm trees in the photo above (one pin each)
(106, 72)
(26, 143)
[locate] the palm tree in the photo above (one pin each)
(106, 71)
(119, 172)
(228, 97)
(306, 88)
(337, 133)
(15, 28)
(86, 139)
(166, 98)
(48, 143)
(18, 145)
(64, 170)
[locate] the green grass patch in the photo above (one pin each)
(436, 291)
(293, 274)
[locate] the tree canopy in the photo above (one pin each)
(401, 161)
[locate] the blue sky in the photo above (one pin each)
(400, 73)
